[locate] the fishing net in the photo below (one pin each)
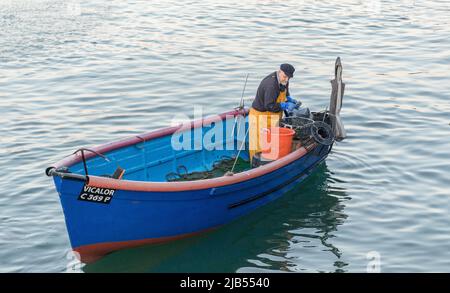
(301, 126)
(219, 169)
(308, 130)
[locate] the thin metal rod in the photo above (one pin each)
(92, 151)
(241, 104)
(84, 162)
(240, 149)
(84, 158)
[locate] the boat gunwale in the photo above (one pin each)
(132, 185)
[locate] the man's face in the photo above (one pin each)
(283, 78)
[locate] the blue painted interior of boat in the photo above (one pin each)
(152, 160)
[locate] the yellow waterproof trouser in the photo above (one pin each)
(258, 120)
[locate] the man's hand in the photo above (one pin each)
(288, 106)
(289, 99)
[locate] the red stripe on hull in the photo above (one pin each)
(93, 252)
(150, 186)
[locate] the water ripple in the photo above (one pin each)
(83, 75)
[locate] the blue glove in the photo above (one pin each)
(287, 106)
(291, 100)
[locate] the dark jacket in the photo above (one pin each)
(267, 94)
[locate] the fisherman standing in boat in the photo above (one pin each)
(272, 98)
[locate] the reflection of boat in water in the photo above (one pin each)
(105, 213)
(295, 233)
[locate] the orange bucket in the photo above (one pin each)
(276, 142)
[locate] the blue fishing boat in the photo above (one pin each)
(128, 193)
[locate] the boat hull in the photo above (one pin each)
(133, 218)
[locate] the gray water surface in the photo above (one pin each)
(83, 73)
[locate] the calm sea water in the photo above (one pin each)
(82, 73)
